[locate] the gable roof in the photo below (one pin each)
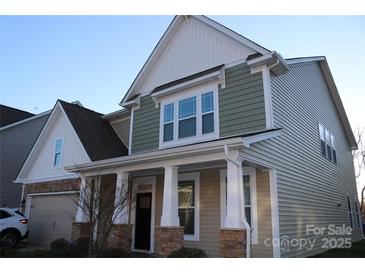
(9, 115)
(96, 134)
(171, 31)
(322, 61)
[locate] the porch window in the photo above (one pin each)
(349, 211)
(250, 203)
(247, 193)
(186, 191)
(58, 153)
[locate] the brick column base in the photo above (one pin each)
(120, 236)
(80, 230)
(232, 243)
(168, 239)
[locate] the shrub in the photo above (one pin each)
(185, 252)
(116, 253)
(79, 248)
(60, 244)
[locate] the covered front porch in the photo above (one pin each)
(209, 199)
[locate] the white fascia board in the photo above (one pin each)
(230, 33)
(291, 61)
(132, 103)
(188, 84)
(26, 120)
(273, 60)
(116, 114)
(45, 128)
(170, 33)
(247, 141)
(164, 39)
(338, 103)
(158, 155)
(30, 155)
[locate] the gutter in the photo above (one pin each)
(245, 223)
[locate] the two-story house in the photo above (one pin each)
(231, 149)
(18, 132)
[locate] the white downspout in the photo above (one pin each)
(245, 223)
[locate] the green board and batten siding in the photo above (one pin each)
(241, 102)
(241, 110)
(146, 126)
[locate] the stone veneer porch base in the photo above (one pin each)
(168, 239)
(120, 236)
(232, 243)
(80, 230)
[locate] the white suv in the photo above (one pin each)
(13, 227)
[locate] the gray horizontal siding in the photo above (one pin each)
(146, 124)
(15, 144)
(309, 186)
(241, 102)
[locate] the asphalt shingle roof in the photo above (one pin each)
(97, 136)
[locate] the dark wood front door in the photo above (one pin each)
(143, 221)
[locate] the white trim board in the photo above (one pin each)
(172, 31)
(57, 110)
(193, 176)
(196, 92)
(253, 192)
(26, 120)
(137, 181)
(30, 195)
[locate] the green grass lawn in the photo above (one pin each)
(356, 251)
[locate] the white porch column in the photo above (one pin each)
(121, 202)
(234, 217)
(80, 215)
(170, 214)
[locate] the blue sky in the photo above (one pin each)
(94, 59)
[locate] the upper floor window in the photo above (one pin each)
(327, 139)
(58, 153)
(189, 119)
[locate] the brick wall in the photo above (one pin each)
(80, 230)
(168, 239)
(120, 236)
(232, 243)
(53, 186)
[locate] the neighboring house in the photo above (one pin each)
(18, 132)
(232, 149)
(72, 135)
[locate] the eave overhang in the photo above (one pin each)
(214, 146)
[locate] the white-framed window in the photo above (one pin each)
(188, 191)
(357, 214)
(327, 141)
(168, 126)
(57, 158)
(350, 212)
(190, 116)
(250, 199)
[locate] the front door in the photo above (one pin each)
(143, 221)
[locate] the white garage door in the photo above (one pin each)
(51, 217)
